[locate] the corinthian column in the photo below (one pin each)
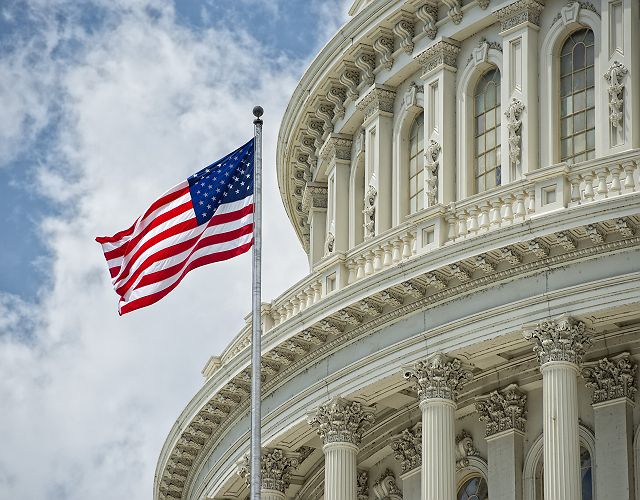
(560, 345)
(276, 468)
(341, 423)
(439, 380)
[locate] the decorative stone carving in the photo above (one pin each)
(519, 12)
(329, 244)
(538, 248)
(412, 289)
(503, 410)
(407, 448)
(391, 298)
(363, 485)
(350, 78)
(316, 130)
(314, 197)
(342, 421)
(383, 45)
(435, 281)
(337, 95)
(460, 273)
(625, 228)
(370, 212)
(439, 377)
(366, 63)
(614, 76)
(414, 96)
(336, 147)
(596, 234)
(480, 54)
(514, 125)
(611, 378)
(566, 240)
(428, 14)
(325, 113)
(483, 263)
(386, 487)
(440, 53)
(404, 30)
(455, 10)
(276, 468)
(561, 339)
(307, 145)
(569, 13)
(431, 155)
(464, 449)
(484, 4)
(377, 99)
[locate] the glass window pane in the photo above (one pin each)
(591, 118)
(498, 175)
(491, 160)
(566, 148)
(578, 56)
(480, 121)
(579, 121)
(591, 97)
(490, 180)
(579, 80)
(420, 180)
(591, 139)
(589, 56)
(580, 143)
(412, 167)
(479, 104)
(590, 76)
(566, 127)
(490, 96)
(565, 64)
(479, 146)
(490, 119)
(498, 140)
(588, 37)
(579, 101)
(565, 85)
(412, 185)
(412, 205)
(491, 139)
(479, 184)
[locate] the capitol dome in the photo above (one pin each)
(464, 176)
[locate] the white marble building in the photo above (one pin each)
(464, 176)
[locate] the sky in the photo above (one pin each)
(105, 105)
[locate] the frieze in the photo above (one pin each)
(611, 378)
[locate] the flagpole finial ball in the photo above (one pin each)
(258, 111)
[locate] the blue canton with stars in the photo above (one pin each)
(229, 179)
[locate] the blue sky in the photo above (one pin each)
(106, 104)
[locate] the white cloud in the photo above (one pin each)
(88, 397)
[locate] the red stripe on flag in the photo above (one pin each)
(206, 259)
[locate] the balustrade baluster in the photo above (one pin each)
(377, 259)
(361, 267)
(452, 223)
(406, 246)
(473, 220)
(532, 202)
(520, 210)
(397, 250)
(588, 187)
(629, 168)
(496, 214)
(368, 265)
(602, 182)
(462, 223)
(485, 208)
(508, 208)
(352, 267)
(615, 187)
(575, 188)
(388, 248)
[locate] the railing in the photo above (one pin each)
(553, 188)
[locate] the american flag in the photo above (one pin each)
(205, 219)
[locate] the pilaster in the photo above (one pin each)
(439, 380)
(614, 388)
(504, 412)
(340, 423)
(336, 155)
(560, 345)
(439, 67)
(314, 203)
(377, 107)
(519, 90)
(621, 63)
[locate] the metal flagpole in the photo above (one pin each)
(256, 417)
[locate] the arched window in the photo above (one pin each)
(586, 477)
(474, 489)
(577, 98)
(416, 165)
(487, 165)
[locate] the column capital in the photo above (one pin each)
(379, 98)
(503, 410)
(442, 53)
(314, 196)
(341, 421)
(519, 12)
(276, 468)
(561, 339)
(611, 378)
(439, 376)
(407, 447)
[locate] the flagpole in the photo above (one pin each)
(256, 333)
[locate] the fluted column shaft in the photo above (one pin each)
(340, 471)
(271, 494)
(438, 449)
(560, 430)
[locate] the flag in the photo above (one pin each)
(207, 218)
